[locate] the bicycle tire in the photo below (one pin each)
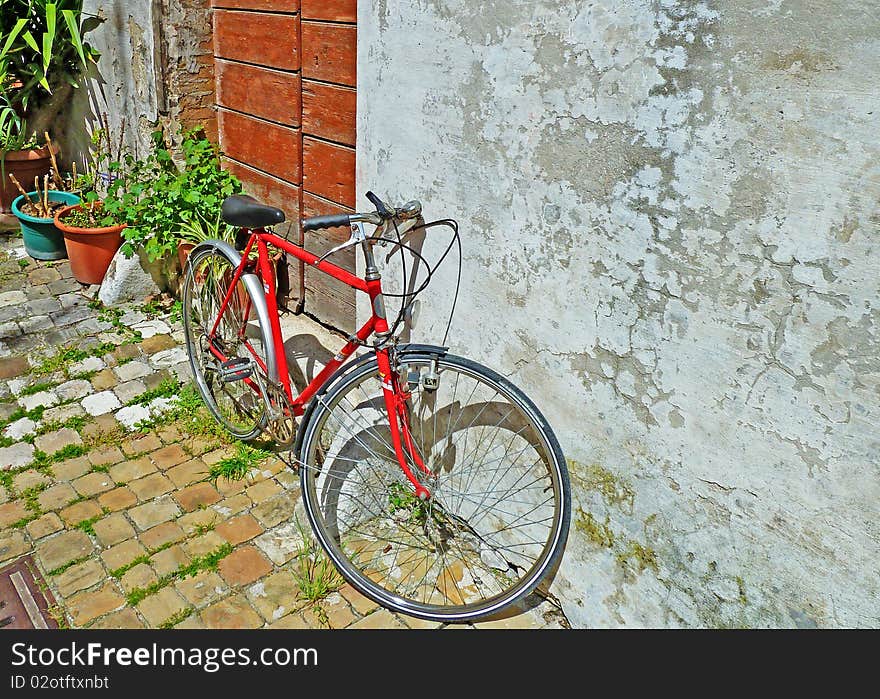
(360, 546)
(220, 260)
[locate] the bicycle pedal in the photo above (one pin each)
(236, 369)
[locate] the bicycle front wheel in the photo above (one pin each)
(238, 405)
(499, 513)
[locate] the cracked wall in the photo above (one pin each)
(156, 69)
(676, 205)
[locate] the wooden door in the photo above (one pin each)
(286, 100)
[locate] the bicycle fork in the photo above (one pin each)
(395, 397)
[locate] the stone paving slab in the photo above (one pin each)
(125, 524)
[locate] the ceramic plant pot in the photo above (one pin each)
(42, 239)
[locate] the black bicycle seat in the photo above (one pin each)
(246, 212)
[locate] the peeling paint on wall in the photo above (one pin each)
(156, 69)
(679, 203)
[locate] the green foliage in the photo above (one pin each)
(157, 198)
(175, 314)
(176, 618)
(196, 565)
(41, 50)
(314, 573)
(122, 570)
(42, 460)
(69, 564)
(34, 414)
(65, 356)
(189, 413)
(88, 525)
(88, 216)
(30, 496)
(37, 388)
(235, 467)
(167, 388)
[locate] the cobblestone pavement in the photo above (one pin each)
(126, 525)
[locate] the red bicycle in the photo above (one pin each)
(433, 483)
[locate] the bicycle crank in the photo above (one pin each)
(282, 420)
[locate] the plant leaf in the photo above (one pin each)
(76, 39)
(16, 30)
(49, 36)
(29, 39)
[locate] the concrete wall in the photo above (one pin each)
(670, 219)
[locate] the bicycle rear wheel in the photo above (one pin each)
(499, 514)
(237, 404)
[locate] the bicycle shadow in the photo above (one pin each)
(306, 357)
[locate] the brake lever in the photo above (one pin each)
(358, 235)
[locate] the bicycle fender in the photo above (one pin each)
(255, 287)
(411, 349)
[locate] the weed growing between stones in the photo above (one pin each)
(236, 467)
(209, 561)
(37, 388)
(168, 388)
(66, 566)
(175, 619)
(30, 496)
(69, 355)
(122, 570)
(315, 575)
(113, 316)
(88, 525)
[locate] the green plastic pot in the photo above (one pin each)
(42, 240)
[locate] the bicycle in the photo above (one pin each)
(434, 484)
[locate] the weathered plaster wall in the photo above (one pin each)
(670, 218)
(156, 69)
(123, 84)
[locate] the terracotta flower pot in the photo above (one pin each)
(183, 251)
(90, 249)
(25, 165)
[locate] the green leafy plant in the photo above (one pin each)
(236, 467)
(89, 215)
(314, 573)
(198, 229)
(42, 59)
(158, 198)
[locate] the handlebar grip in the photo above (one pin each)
(331, 221)
(380, 206)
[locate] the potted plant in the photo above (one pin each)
(91, 237)
(197, 229)
(168, 204)
(36, 213)
(91, 234)
(42, 58)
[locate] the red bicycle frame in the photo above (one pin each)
(395, 396)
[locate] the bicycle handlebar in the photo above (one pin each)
(332, 221)
(383, 213)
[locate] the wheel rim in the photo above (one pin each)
(238, 406)
(496, 517)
